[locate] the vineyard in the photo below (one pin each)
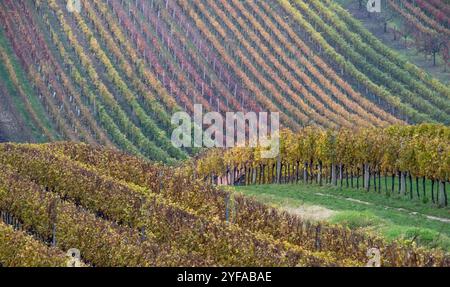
(416, 29)
(114, 72)
(359, 159)
(88, 95)
(119, 210)
(428, 23)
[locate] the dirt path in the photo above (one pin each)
(311, 212)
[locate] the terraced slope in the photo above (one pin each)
(114, 73)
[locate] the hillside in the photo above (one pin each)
(118, 210)
(417, 30)
(114, 72)
(134, 133)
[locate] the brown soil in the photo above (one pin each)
(311, 212)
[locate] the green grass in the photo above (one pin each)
(391, 217)
(357, 219)
(416, 194)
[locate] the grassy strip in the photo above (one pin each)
(395, 222)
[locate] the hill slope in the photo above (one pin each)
(119, 210)
(402, 27)
(114, 73)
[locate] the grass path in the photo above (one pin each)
(410, 212)
(390, 217)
